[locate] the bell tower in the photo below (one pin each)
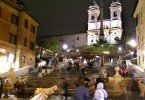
(115, 10)
(116, 23)
(93, 14)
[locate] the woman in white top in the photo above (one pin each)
(100, 93)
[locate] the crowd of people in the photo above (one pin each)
(8, 89)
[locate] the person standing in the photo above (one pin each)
(100, 92)
(81, 92)
(66, 89)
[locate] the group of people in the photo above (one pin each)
(83, 93)
(7, 88)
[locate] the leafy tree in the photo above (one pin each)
(54, 45)
(41, 43)
(100, 48)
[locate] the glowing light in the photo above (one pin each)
(68, 50)
(10, 57)
(65, 46)
(132, 53)
(77, 50)
(120, 49)
(132, 43)
(106, 52)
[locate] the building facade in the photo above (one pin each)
(72, 40)
(112, 27)
(139, 14)
(18, 32)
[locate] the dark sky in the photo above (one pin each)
(70, 16)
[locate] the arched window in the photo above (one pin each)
(92, 40)
(92, 17)
(115, 14)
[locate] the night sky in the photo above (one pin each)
(70, 16)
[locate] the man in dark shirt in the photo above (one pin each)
(81, 92)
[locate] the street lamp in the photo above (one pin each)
(120, 49)
(65, 46)
(131, 43)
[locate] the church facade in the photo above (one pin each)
(112, 28)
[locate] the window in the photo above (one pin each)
(136, 20)
(115, 14)
(0, 11)
(25, 42)
(13, 38)
(92, 17)
(30, 61)
(15, 19)
(139, 60)
(23, 59)
(26, 23)
(32, 46)
(92, 40)
(33, 29)
(77, 38)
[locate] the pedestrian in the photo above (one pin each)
(66, 89)
(100, 92)
(17, 86)
(1, 86)
(142, 89)
(81, 92)
(7, 87)
(99, 79)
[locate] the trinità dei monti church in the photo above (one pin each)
(112, 28)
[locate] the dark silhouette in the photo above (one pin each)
(66, 89)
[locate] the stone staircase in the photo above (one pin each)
(55, 78)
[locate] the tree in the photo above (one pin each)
(100, 48)
(41, 43)
(54, 46)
